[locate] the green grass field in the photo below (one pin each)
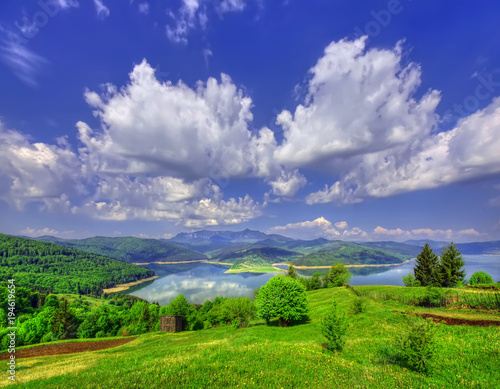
(273, 357)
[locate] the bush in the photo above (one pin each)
(333, 327)
(284, 298)
(415, 344)
(238, 311)
(434, 297)
(358, 306)
(410, 280)
(481, 278)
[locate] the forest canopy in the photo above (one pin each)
(51, 268)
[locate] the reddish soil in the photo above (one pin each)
(65, 348)
(453, 321)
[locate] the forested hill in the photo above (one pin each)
(352, 254)
(52, 268)
(130, 249)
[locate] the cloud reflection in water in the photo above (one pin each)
(200, 284)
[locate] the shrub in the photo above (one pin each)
(334, 326)
(410, 280)
(238, 311)
(284, 298)
(358, 306)
(481, 278)
(434, 297)
(415, 344)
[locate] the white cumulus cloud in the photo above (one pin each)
(150, 127)
(319, 228)
(37, 172)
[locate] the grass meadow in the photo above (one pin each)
(261, 356)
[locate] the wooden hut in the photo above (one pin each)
(171, 323)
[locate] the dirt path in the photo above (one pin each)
(66, 348)
(454, 321)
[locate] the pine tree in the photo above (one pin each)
(292, 272)
(449, 267)
(63, 322)
(426, 266)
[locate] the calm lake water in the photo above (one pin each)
(201, 282)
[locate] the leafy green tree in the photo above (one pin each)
(333, 327)
(292, 272)
(284, 298)
(339, 274)
(426, 266)
(179, 306)
(481, 278)
(449, 268)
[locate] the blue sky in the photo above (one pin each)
(363, 120)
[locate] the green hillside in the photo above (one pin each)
(131, 249)
(350, 254)
(52, 268)
(266, 357)
(257, 256)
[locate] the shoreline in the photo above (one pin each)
(329, 266)
(267, 269)
(123, 287)
(166, 263)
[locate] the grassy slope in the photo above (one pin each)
(273, 357)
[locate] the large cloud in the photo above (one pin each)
(197, 204)
(37, 172)
(151, 127)
(469, 151)
(359, 101)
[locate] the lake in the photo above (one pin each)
(201, 282)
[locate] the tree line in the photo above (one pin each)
(51, 268)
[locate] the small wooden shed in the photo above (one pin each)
(171, 323)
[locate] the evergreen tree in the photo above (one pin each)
(449, 267)
(425, 269)
(64, 323)
(292, 272)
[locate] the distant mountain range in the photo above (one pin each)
(130, 249)
(473, 248)
(249, 248)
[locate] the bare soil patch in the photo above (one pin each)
(65, 348)
(454, 321)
